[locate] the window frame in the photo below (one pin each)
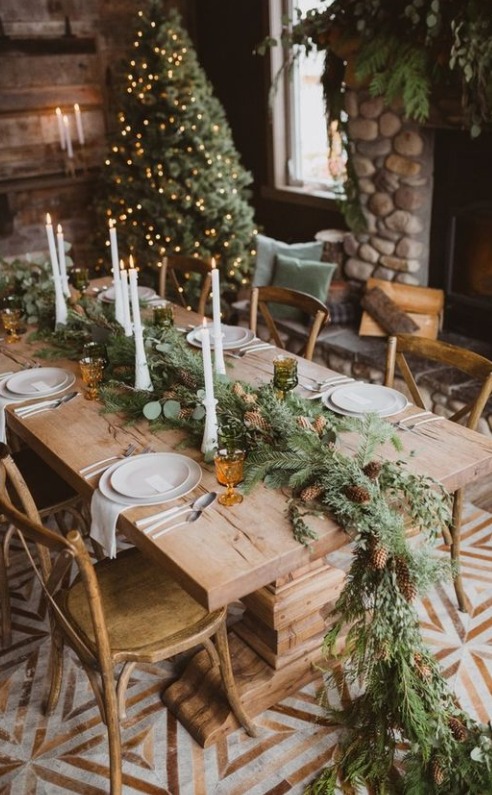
(282, 119)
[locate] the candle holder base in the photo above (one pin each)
(210, 433)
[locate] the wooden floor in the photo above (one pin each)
(67, 753)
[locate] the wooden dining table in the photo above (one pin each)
(245, 554)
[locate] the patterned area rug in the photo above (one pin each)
(68, 752)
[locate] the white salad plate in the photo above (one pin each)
(144, 293)
(139, 477)
(355, 400)
(233, 337)
(167, 463)
(38, 382)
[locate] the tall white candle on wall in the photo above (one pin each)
(118, 297)
(78, 124)
(61, 129)
(62, 261)
(127, 323)
(60, 305)
(68, 139)
(218, 348)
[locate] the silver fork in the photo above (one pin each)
(414, 426)
(259, 346)
(104, 462)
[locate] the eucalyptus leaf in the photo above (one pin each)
(171, 409)
(163, 347)
(198, 413)
(152, 410)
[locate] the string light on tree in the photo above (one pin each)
(180, 156)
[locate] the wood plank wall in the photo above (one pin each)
(54, 54)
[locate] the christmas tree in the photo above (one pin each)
(173, 181)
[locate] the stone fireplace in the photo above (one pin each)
(426, 192)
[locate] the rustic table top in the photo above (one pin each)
(229, 552)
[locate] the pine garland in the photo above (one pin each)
(402, 731)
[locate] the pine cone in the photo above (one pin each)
(458, 730)
(249, 398)
(437, 771)
(405, 583)
(184, 414)
(311, 493)
(304, 423)
(238, 389)
(319, 423)
(372, 469)
(357, 494)
(256, 420)
(184, 377)
(379, 556)
(421, 666)
(169, 394)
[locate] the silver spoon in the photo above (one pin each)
(194, 515)
(200, 504)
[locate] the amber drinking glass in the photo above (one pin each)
(92, 371)
(284, 374)
(229, 471)
(95, 350)
(79, 277)
(164, 315)
(12, 323)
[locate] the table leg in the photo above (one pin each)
(275, 650)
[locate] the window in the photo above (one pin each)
(303, 160)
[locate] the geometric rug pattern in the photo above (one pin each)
(67, 752)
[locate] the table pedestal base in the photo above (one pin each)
(275, 651)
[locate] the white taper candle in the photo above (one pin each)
(62, 261)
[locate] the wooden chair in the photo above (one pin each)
(54, 499)
(176, 270)
(472, 364)
(114, 614)
(316, 312)
(425, 305)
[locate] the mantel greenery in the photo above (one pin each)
(402, 730)
(406, 50)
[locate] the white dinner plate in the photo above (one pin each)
(355, 400)
(144, 477)
(37, 382)
(144, 293)
(234, 337)
(164, 460)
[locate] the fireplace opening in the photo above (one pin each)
(468, 272)
(461, 231)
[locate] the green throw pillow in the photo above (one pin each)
(305, 275)
(267, 249)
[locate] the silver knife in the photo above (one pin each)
(26, 411)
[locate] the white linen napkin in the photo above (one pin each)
(104, 515)
(5, 402)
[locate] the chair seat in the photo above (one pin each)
(145, 608)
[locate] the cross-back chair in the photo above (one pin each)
(53, 498)
(113, 613)
(175, 270)
(403, 352)
(315, 311)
